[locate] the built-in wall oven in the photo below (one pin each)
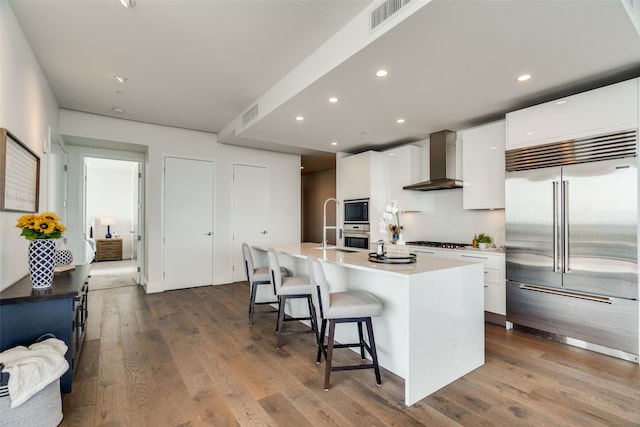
(356, 223)
(356, 235)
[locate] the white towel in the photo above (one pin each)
(32, 369)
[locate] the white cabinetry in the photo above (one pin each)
(494, 272)
(405, 167)
(607, 109)
(353, 176)
(495, 294)
(361, 176)
(483, 166)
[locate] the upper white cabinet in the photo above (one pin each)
(602, 110)
(405, 167)
(353, 176)
(483, 166)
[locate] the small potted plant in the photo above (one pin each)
(483, 241)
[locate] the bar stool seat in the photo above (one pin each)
(287, 288)
(352, 304)
(256, 278)
(344, 307)
(295, 285)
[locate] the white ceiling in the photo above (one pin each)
(200, 64)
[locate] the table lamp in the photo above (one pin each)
(108, 221)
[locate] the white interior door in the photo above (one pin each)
(188, 223)
(250, 212)
(138, 235)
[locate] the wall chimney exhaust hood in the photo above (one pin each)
(442, 164)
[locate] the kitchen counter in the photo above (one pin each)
(431, 331)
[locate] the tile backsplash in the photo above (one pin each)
(443, 219)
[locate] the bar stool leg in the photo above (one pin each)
(361, 336)
(279, 326)
(252, 303)
(327, 368)
(321, 348)
(313, 319)
(374, 353)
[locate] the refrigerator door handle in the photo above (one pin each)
(570, 294)
(556, 266)
(565, 226)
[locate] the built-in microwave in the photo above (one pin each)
(356, 211)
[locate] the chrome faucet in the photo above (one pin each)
(326, 227)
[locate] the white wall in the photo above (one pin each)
(161, 141)
(28, 109)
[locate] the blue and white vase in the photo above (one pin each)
(62, 256)
(41, 254)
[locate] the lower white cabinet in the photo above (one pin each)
(494, 272)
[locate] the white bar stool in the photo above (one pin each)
(287, 288)
(344, 307)
(256, 277)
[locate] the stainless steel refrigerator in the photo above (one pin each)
(571, 211)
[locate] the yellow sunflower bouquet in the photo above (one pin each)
(40, 226)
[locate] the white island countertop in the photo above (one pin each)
(431, 331)
(358, 259)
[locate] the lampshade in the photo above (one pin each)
(106, 220)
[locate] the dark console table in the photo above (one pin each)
(61, 309)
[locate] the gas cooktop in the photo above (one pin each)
(447, 245)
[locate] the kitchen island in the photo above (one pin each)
(431, 331)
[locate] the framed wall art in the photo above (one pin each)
(19, 175)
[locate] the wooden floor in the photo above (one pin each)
(188, 357)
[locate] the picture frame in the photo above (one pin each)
(19, 175)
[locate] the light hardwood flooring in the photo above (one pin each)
(188, 357)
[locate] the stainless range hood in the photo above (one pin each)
(442, 163)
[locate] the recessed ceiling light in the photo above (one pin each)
(382, 73)
(333, 99)
(128, 3)
(117, 110)
(334, 143)
(392, 154)
(400, 121)
(524, 77)
(562, 101)
(121, 79)
(299, 118)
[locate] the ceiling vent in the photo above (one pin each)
(385, 10)
(250, 115)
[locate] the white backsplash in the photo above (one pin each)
(442, 219)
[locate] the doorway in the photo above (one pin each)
(112, 218)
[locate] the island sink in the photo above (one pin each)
(335, 249)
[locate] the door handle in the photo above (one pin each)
(565, 226)
(555, 227)
(263, 232)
